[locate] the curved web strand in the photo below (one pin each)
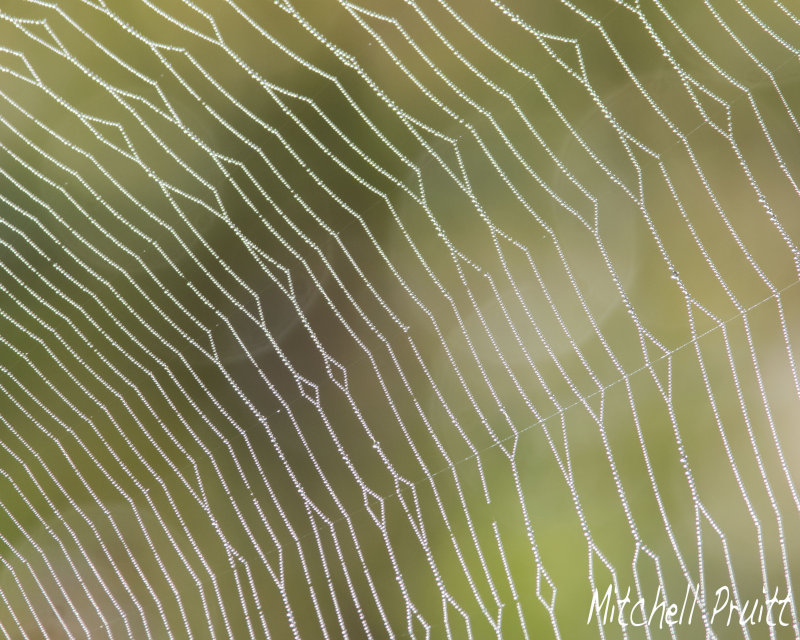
(412, 319)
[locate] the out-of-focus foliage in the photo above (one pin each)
(393, 319)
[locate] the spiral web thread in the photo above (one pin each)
(395, 319)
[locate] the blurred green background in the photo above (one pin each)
(394, 319)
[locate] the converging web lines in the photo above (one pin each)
(358, 320)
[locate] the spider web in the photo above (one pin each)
(396, 319)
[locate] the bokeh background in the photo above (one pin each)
(394, 318)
